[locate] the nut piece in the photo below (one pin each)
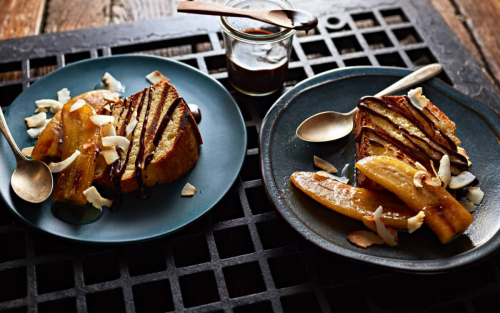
(188, 190)
(27, 151)
(61, 166)
(461, 180)
(101, 120)
(475, 195)
(112, 84)
(416, 222)
(325, 175)
(382, 231)
(36, 120)
(95, 198)
(324, 165)
(78, 104)
(155, 77)
(63, 96)
(364, 239)
(444, 171)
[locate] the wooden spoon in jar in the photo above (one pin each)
(294, 19)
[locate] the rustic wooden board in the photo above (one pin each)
(20, 18)
(65, 15)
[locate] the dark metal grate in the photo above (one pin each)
(242, 257)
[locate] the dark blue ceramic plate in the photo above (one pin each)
(282, 153)
(221, 155)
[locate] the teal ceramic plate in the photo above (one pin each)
(220, 160)
(282, 153)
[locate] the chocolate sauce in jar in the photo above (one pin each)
(257, 69)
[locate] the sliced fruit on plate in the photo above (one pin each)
(443, 214)
(352, 201)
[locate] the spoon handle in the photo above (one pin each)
(5, 131)
(414, 78)
(211, 9)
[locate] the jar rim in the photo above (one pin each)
(251, 38)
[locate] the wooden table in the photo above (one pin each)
(475, 23)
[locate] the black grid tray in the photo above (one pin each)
(241, 257)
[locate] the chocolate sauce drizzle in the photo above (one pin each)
(143, 192)
(416, 151)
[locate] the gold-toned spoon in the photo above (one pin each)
(32, 180)
(294, 19)
(331, 125)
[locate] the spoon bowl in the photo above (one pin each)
(330, 125)
(32, 181)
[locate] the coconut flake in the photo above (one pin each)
(77, 105)
(34, 133)
(364, 239)
(418, 100)
(36, 120)
(63, 96)
(60, 166)
(38, 110)
(54, 105)
(131, 126)
(188, 190)
(95, 198)
(462, 152)
(108, 130)
(324, 165)
(461, 180)
(101, 120)
(418, 178)
(110, 155)
(323, 175)
(155, 77)
(416, 222)
(113, 97)
(469, 206)
(475, 195)
(382, 231)
(112, 84)
(27, 151)
(116, 141)
(420, 167)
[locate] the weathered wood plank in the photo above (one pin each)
(20, 18)
(483, 20)
(137, 10)
(65, 15)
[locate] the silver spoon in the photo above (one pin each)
(31, 180)
(294, 19)
(331, 125)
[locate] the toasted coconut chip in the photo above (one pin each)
(432, 181)
(382, 231)
(469, 206)
(116, 141)
(364, 239)
(418, 178)
(416, 222)
(131, 126)
(101, 120)
(108, 130)
(107, 107)
(78, 104)
(54, 105)
(155, 77)
(110, 154)
(95, 198)
(420, 167)
(434, 169)
(112, 97)
(34, 133)
(324, 165)
(475, 195)
(444, 172)
(112, 84)
(462, 152)
(461, 180)
(418, 100)
(63, 96)
(369, 221)
(27, 151)
(60, 166)
(325, 175)
(38, 110)
(188, 190)
(36, 120)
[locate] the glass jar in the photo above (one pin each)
(257, 53)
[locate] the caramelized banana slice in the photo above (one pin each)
(444, 215)
(352, 201)
(81, 134)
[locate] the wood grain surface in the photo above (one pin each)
(476, 23)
